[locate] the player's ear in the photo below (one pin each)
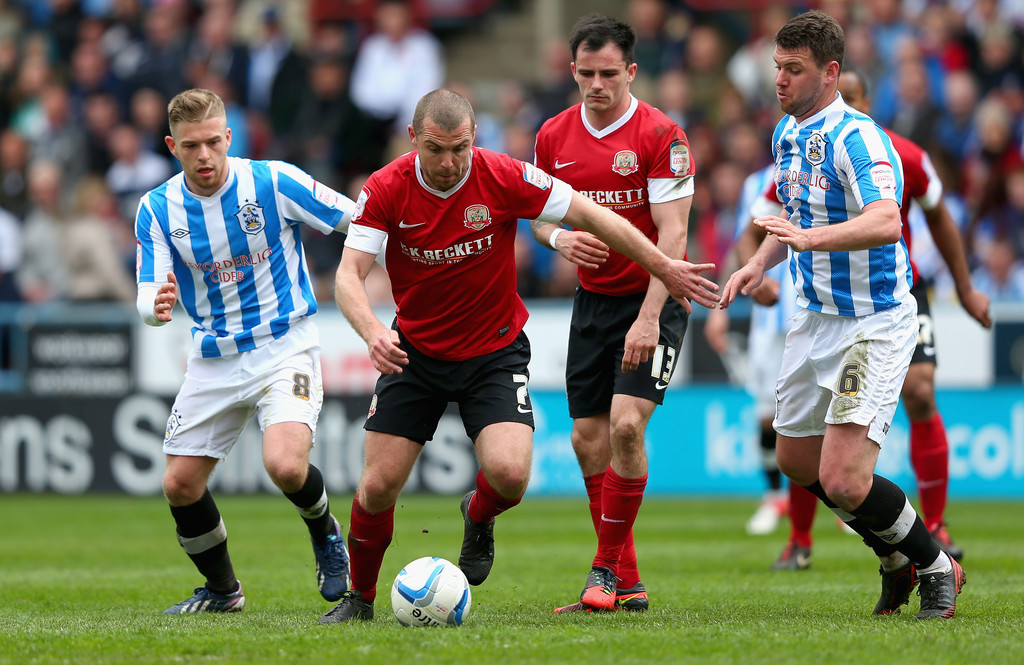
(412, 135)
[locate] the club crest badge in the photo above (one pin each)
(251, 218)
(814, 150)
(624, 162)
(173, 422)
(477, 217)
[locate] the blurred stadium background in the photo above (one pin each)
(85, 388)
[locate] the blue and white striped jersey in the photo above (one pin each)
(827, 168)
(753, 203)
(237, 255)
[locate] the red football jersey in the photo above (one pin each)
(638, 160)
(921, 182)
(451, 255)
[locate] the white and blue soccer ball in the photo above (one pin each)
(431, 591)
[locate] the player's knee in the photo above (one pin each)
(510, 481)
(182, 491)
(919, 400)
(289, 475)
(628, 432)
(844, 490)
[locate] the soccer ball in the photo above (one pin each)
(431, 591)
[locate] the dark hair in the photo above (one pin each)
(594, 31)
(447, 108)
(817, 31)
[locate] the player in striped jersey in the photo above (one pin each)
(223, 238)
(929, 448)
(840, 182)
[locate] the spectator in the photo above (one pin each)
(91, 238)
(13, 173)
(1001, 274)
(164, 50)
(147, 110)
(135, 169)
(216, 52)
(101, 115)
(395, 65)
(41, 273)
(61, 139)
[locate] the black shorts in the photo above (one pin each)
(489, 389)
(597, 338)
(925, 351)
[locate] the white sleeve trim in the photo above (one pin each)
(557, 206)
(365, 239)
(663, 190)
(933, 195)
(144, 303)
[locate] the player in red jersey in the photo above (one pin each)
(929, 448)
(626, 331)
(449, 213)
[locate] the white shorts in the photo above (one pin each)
(279, 382)
(764, 365)
(839, 369)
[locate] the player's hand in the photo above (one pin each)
(716, 331)
(787, 233)
(684, 281)
(976, 304)
(386, 355)
(641, 341)
(767, 294)
(741, 282)
(166, 297)
(582, 248)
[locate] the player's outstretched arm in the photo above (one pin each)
(579, 247)
(947, 240)
(353, 301)
(682, 278)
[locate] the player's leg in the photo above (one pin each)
(204, 424)
(764, 360)
(288, 411)
(202, 535)
(868, 371)
(388, 461)
(929, 451)
(625, 480)
(498, 416)
(797, 553)
(404, 412)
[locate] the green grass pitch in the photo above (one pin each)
(84, 579)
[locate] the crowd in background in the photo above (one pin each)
(330, 86)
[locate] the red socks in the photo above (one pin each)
(628, 573)
(487, 504)
(620, 503)
(369, 535)
(929, 455)
(802, 506)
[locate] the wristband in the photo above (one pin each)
(551, 238)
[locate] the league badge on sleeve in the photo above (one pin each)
(815, 148)
(325, 194)
(535, 176)
(251, 218)
(364, 194)
(679, 158)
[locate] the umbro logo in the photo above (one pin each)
(562, 165)
(179, 233)
(403, 225)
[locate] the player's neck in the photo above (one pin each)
(602, 119)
